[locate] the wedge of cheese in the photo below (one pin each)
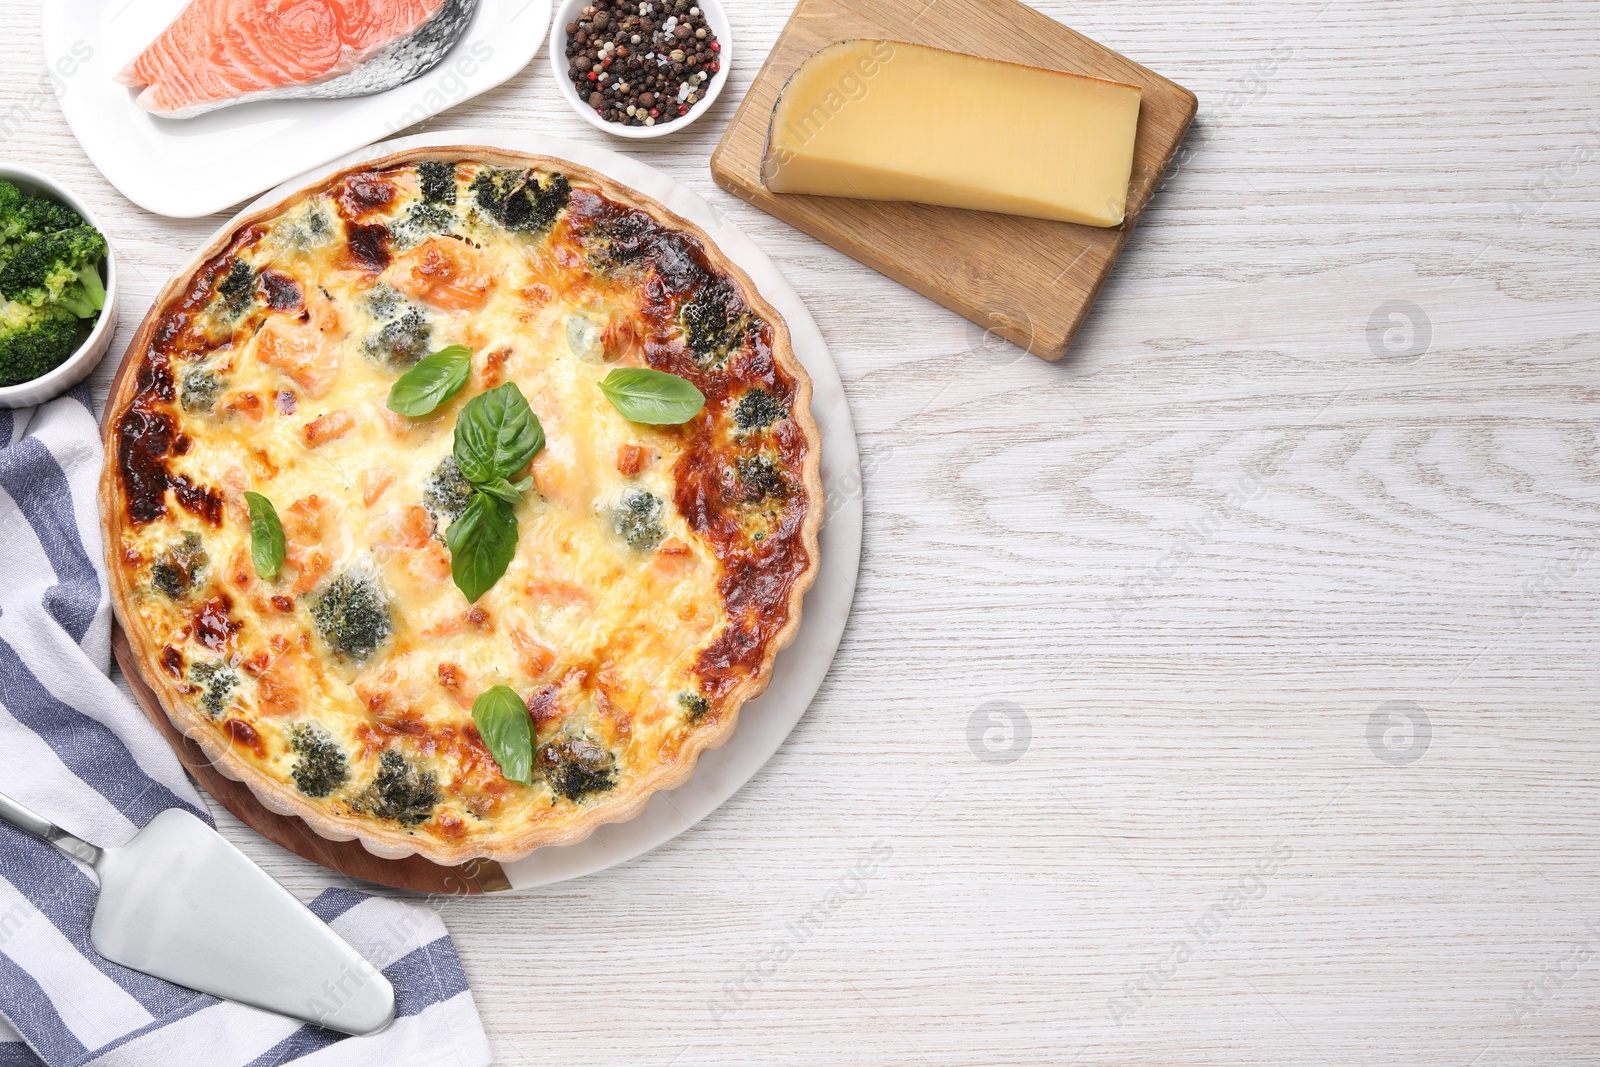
(885, 120)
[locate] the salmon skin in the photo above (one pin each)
(222, 52)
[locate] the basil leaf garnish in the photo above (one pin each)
(266, 536)
(482, 543)
(497, 434)
(510, 492)
(502, 719)
(431, 382)
(651, 396)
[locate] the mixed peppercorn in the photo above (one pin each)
(642, 64)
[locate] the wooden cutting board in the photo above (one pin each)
(1030, 281)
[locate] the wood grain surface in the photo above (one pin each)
(1027, 281)
(1322, 462)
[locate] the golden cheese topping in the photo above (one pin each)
(655, 567)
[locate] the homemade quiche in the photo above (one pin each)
(653, 570)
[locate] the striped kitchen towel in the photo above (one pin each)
(76, 751)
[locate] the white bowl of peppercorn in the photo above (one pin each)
(640, 68)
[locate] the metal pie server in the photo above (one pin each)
(181, 903)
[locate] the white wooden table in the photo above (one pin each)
(1286, 581)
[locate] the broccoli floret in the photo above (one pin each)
(21, 214)
(49, 280)
(216, 681)
(420, 222)
(519, 200)
(403, 341)
(447, 494)
(14, 217)
(178, 569)
(385, 302)
(199, 390)
(760, 478)
(238, 289)
(400, 791)
(322, 767)
(405, 334)
(695, 704)
(35, 341)
(437, 181)
(352, 614)
(305, 228)
(637, 519)
(318, 226)
(616, 242)
(575, 768)
(757, 410)
(86, 296)
(57, 268)
(709, 330)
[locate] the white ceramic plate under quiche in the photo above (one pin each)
(799, 670)
(186, 168)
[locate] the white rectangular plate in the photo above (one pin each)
(185, 168)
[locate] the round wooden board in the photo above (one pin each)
(347, 857)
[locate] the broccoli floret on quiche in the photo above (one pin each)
(178, 569)
(612, 243)
(695, 704)
(437, 181)
(385, 302)
(759, 478)
(709, 329)
(237, 290)
(198, 390)
(351, 613)
(420, 222)
(637, 520)
(446, 493)
(403, 339)
(321, 767)
(401, 791)
(757, 410)
(216, 681)
(521, 199)
(305, 227)
(575, 767)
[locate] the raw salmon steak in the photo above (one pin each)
(222, 52)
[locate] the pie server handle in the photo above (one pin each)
(30, 822)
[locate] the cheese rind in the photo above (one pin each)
(886, 120)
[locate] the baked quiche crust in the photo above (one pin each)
(659, 569)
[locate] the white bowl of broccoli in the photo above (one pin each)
(58, 288)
